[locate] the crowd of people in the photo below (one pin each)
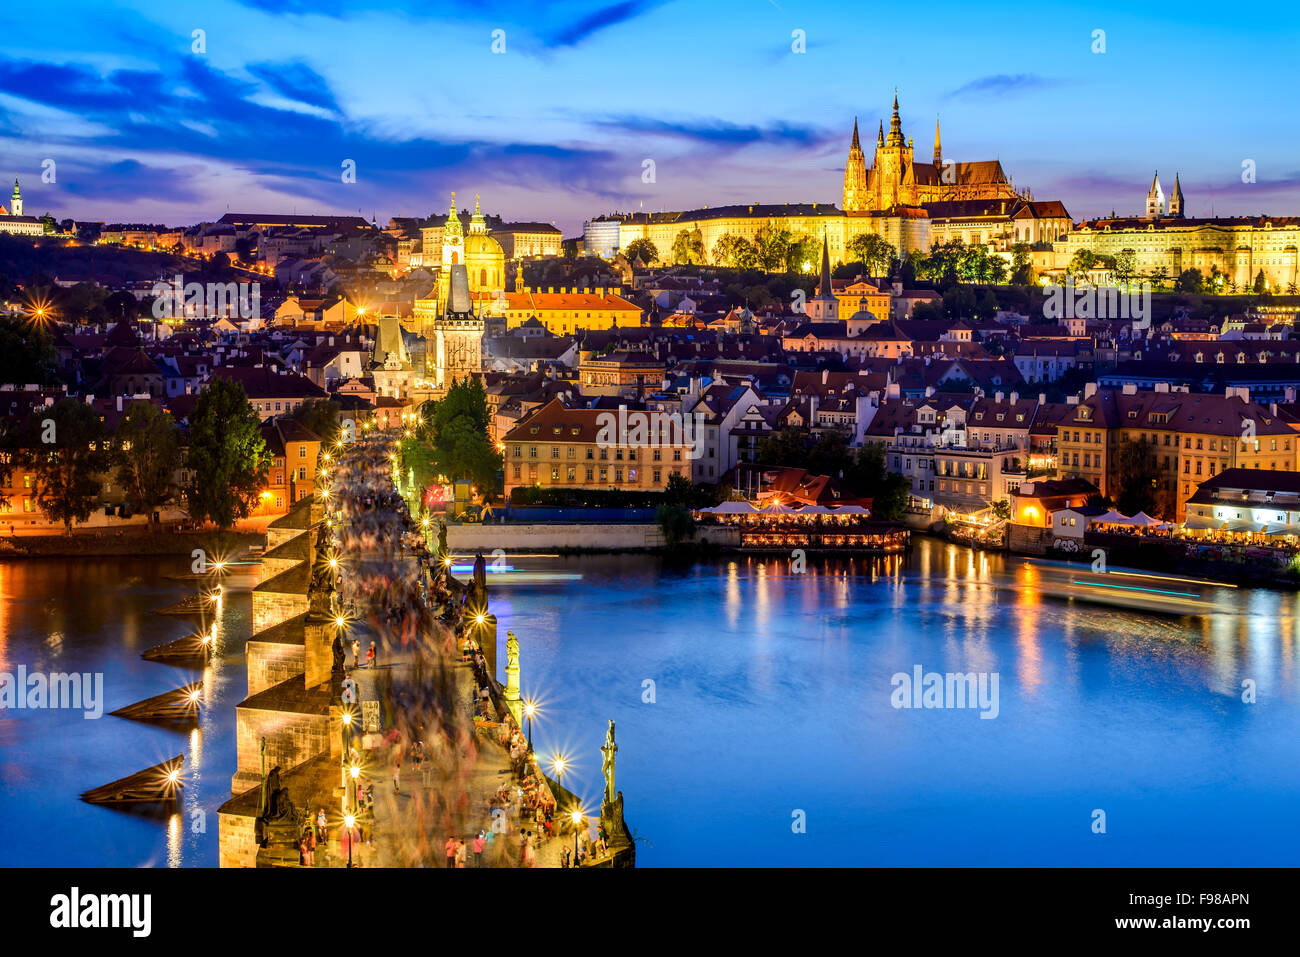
(390, 581)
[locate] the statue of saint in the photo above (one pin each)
(607, 763)
(512, 651)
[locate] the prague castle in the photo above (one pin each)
(896, 179)
(911, 205)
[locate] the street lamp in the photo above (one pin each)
(348, 821)
(557, 765)
(530, 708)
(577, 820)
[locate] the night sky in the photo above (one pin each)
(556, 128)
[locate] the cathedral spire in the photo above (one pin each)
(824, 291)
(938, 149)
(855, 145)
(880, 137)
(895, 126)
(1176, 200)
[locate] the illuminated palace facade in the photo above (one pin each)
(908, 203)
(1239, 248)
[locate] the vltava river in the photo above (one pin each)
(750, 698)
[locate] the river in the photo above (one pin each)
(755, 713)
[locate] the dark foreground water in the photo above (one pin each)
(749, 698)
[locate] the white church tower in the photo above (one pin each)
(1155, 199)
(16, 203)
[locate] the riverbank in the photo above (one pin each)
(122, 543)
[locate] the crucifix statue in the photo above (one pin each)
(607, 763)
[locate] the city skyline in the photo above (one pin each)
(556, 128)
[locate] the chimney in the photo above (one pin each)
(1089, 390)
(826, 374)
(1015, 397)
(1042, 398)
(119, 403)
(1129, 388)
(997, 397)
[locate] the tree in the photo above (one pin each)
(1189, 280)
(1082, 262)
(1138, 477)
(320, 416)
(688, 248)
(869, 477)
(1261, 284)
(149, 454)
(771, 245)
(66, 449)
(458, 431)
(1125, 265)
(874, 252)
(676, 524)
(1022, 264)
(787, 447)
(228, 455)
(641, 248)
(801, 253)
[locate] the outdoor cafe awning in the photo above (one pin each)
(729, 508)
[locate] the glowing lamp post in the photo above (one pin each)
(530, 708)
(349, 821)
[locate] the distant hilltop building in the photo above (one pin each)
(13, 221)
(1232, 253)
(895, 178)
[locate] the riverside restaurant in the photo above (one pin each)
(814, 528)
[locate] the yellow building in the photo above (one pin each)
(561, 447)
(567, 310)
(1193, 437)
(1239, 248)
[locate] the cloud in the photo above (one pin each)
(1003, 84)
(612, 15)
(296, 81)
(718, 132)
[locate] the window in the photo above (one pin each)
(302, 451)
(589, 475)
(555, 474)
(532, 451)
(657, 477)
(555, 451)
(514, 472)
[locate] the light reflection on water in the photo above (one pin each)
(771, 694)
(101, 611)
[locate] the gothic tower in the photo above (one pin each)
(453, 239)
(892, 163)
(855, 176)
(1155, 199)
(938, 150)
(824, 307)
(1176, 200)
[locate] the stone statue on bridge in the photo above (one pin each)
(513, 700)
(607, 763)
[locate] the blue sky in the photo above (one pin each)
(557, 127)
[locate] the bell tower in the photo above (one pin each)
(16, 202)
